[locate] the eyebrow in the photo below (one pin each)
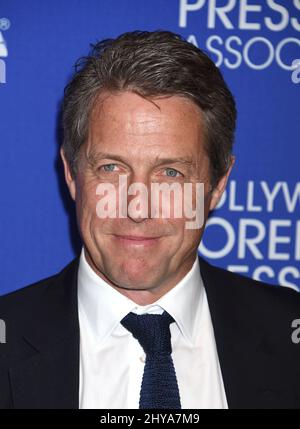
(93, 158)
(182, 160)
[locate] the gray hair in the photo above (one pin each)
(151, 64)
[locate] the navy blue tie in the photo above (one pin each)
(159, 386)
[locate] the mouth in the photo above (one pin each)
(133, 240)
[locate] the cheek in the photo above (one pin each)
(192, 237)
(86, 203)
(181, 236)
(186, 238)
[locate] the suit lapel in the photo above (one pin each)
(249, 359)
(47, 379)
(47, 375)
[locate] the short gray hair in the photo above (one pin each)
(151, 64)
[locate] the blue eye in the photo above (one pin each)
(172, 172)
(109, 167)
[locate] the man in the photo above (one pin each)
(139, 320)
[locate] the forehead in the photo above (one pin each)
(128, 121)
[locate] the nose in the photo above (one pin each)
(139, 198)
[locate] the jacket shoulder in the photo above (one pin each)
(248, 292)
(21, 301)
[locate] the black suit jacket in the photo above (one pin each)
(39, 364)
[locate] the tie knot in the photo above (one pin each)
(151, 330)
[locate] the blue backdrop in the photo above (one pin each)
(256, 229)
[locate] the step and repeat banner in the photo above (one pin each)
(256, 228)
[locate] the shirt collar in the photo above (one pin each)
(104, 307)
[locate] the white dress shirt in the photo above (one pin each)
(112, 360)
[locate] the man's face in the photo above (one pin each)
(159, 141)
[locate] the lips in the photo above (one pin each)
(134, 240)
(136, 237)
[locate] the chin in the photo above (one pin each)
(136, 271)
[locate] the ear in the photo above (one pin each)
(220, 188)
(68, 175)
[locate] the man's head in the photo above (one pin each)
(153, 108)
